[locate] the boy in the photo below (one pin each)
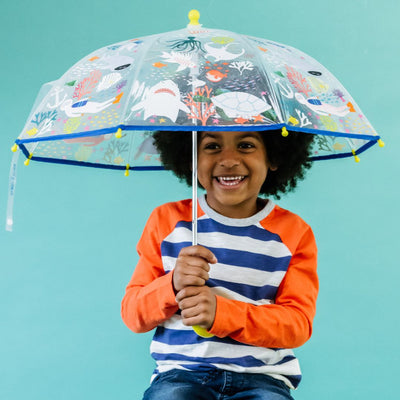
(251, 281)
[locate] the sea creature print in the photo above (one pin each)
(159, 64)
(195, 83)
(87, 106)
(240, 104)
(147, 148)
(108, 80)
(317, 106)
(183, 59)
(187, 45)
(162, 99)
(215, 76)
(221, 53)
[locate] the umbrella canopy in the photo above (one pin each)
(192, 79)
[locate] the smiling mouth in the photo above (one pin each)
(230, 180)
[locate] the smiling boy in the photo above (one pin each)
(251, 281)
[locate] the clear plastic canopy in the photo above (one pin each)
(102, 111)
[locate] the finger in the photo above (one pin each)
(200, 320)
(188, 292)
(190, 280)
(199, 251)
(196, 271)
(188, 302)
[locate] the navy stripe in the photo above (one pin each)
(293, 379)
(284, 360)
(251, 292)
(234, 257)
(209, 225)
(247, 361)
(182, 337)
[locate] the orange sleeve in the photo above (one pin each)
(149, 298)
(288, 322)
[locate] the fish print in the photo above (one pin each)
(215, 76)
(183, 59)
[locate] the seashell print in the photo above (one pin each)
(108, 81)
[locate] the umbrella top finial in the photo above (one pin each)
(194, 17)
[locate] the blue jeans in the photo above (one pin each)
(215, 385)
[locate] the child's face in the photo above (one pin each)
(232, 167)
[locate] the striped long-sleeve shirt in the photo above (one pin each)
(265, 284)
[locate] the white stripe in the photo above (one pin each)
(245, 276)
(221, 240)
(222, 350)
(175, 322)
(168, 263)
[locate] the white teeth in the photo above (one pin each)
(230, 180)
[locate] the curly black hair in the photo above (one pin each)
(291, 154)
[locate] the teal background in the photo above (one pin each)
(64, 269)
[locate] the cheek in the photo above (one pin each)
(202, 177)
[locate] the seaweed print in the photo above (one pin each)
(200, 104)
(328, 143)
(86, 86)
(44, 120)
(114, 150)
(298, 80)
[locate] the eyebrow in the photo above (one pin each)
(244, 135)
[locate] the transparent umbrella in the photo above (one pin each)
(102, 111)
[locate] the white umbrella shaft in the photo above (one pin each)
(194, 188)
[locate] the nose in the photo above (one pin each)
(229, 158)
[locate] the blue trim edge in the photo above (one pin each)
(197, 128)
(87, 164)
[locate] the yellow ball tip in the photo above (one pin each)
(285, 132)
(14, 148)
(381, 143)
(202, 332)
(118, 134)
(194, 17)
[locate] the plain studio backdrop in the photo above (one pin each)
(64, 269)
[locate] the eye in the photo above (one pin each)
(246, 145)
(211, 146)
